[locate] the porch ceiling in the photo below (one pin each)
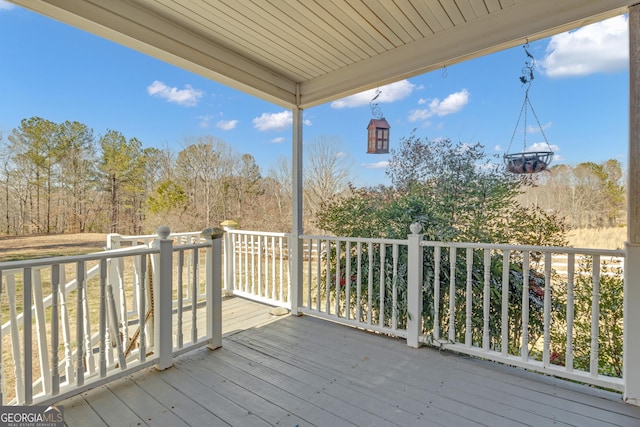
(308, 52)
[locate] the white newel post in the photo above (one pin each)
(631, 346)
(414, 286)
(229, 254)
(213, 271)
(163, 285)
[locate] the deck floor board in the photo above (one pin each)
(468, 383)
(290, 371)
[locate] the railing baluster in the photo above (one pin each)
(194, 298)
(90, 365)
(318, 275)
(66, 329)
(27, 329)
(180, 274)
(41, 331)
(142, 309)
(359, 283)
(80, 324)
(486, 299)
(122, 300)
(436, 292)
(595, 316)
(337, 278)
(452, 294)
(370, 284)
(382, 284)
(113, 325)
(309, 275)
(261, 288)
(282, 281)
(2, 376)
(546, 344)
(468, 340)
(273, 267)
(394, 288)
(253, 265)
(18, 367)
(504, 327)
(347, 281)
(525, 306)
(189, 266)
(55, 288)
(234, 277)
(247, 272)
(328, 275)
(570, 312)
(103, 318)
(264, 259)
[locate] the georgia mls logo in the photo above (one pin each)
(56, 413)
(31, 416)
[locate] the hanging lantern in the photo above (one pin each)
(378, 130)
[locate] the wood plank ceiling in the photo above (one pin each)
(307, 52)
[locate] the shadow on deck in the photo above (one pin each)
(302, 371)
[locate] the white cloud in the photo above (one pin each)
(599, 47)
(6, 5)
(498, 148)
(187, 97)
(451, 104)
(543, 146)
(378, 165)
(389, 93)
(205, 121)
(536, 129)
(278, 140)
(227, 124)
(275, 121)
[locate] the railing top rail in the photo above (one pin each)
(258, 233)
(358, 239)
(96, 256)
(191, 246)
(553, 249)
(152, 236)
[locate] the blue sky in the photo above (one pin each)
(580, 94)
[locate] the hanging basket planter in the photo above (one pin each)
(528, 162)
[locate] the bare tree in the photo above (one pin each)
(326, 173)
(203, 167)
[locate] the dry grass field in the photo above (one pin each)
(24, 247)
(599, 238)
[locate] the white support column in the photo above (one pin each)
(163, 319)
(631, 347)
(414, 286)
(295, 256)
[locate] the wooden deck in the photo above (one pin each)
(289, 371)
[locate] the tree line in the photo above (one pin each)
(63, 178)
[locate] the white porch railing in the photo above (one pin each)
(259, 266)
(141, 319)
(451, 295)
(540, 308)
